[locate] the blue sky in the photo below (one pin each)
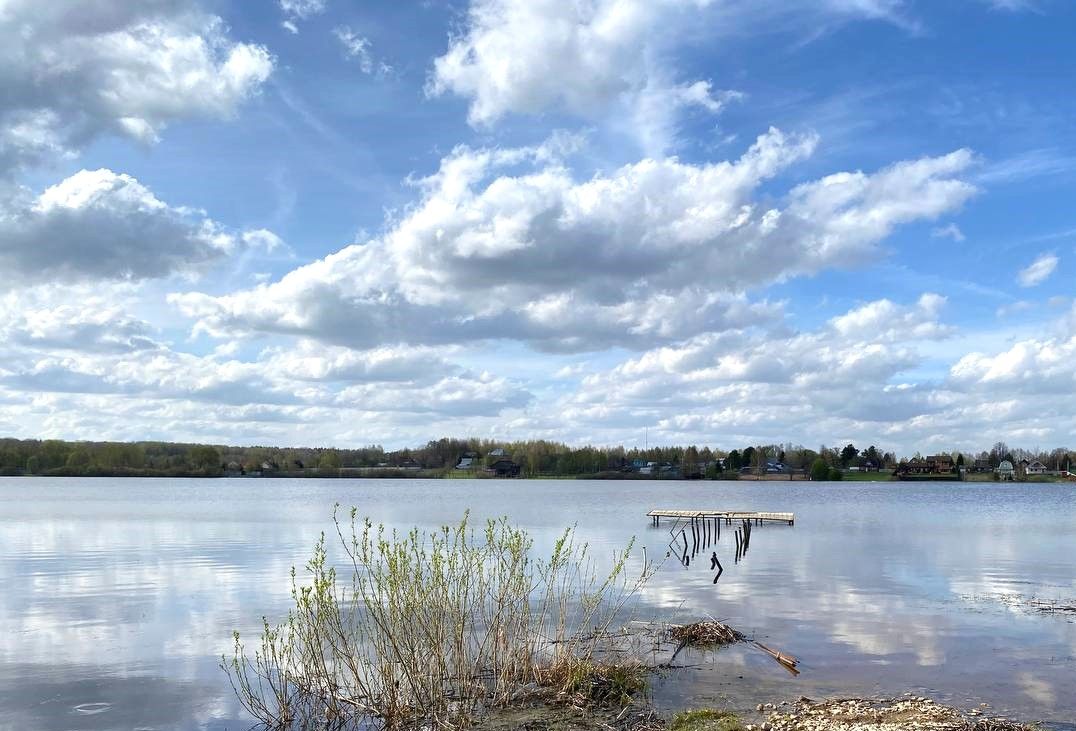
(727, 223)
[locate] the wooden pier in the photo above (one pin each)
(727, 515)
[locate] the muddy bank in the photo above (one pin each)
(551, 716)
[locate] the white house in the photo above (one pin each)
(1036, 468)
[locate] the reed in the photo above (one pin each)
(431, 629)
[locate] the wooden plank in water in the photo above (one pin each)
(757, 516)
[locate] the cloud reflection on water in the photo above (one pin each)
(122, 585)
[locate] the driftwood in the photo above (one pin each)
(788, 662)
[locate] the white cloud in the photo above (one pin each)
(338, 395)
(78, 349)
(657, 110)
(1038, 271)
(98, 224)
(612, 60)
(81, 318)
(303, 8)
(70, 72)
(856, 377)
(296, 10)
(948, 231)
(315, 362)
(1014, 308)
(652, 252)
(752, 386)
(357, 47)
(886, 321)
(527, 57)
(859, 377)
(1029, 366)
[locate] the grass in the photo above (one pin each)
(881, 476)
(432, 628)
(705, 720)
(588, 681)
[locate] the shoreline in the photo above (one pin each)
(908, 712)
(380, 473)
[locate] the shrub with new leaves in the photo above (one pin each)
(431, 628)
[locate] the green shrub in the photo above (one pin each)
(434, 626)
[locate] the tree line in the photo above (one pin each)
(535, 457)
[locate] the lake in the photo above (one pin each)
(117, 597)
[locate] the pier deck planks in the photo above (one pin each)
(728, 515)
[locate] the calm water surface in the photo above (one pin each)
(117, 597)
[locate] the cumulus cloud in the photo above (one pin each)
(886, 321)
(315, 362)
(1038, 271)
(652, 252)
(858, 377)
(71, 71)
(755, 385)
(865, 345)
(80, 318)
(611, 59)
(342, 384)
(78, 349)
(1030, 366)
(525, 57)
(98, 224)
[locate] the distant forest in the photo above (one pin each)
(537, 458)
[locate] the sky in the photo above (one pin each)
(719, 222)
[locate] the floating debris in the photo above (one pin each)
(717, 634)
(705, 634)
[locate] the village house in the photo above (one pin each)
(1036, 468)
(935, 464)
(940, 464)
(505, 468)
(467, 461)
